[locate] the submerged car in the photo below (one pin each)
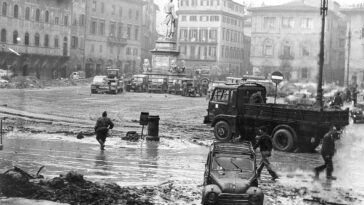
(357, 112)
(231, 175)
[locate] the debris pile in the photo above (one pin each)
(22, 82)
(71, 188)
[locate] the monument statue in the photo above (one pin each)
(170, 20)
(146, 66)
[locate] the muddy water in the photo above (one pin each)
(126, 163)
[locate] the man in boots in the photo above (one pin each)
(327, 152)
(102, 127)
(265, 145)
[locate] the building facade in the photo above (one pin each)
(286, 38)
(39, 31)
(149, 29)
(211, 36)
(355, 58)
(112, 36)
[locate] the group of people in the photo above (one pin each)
(264, 142)
(350, 95)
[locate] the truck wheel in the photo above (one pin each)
(283, 140)
(222, 131)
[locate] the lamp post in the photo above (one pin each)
(349, 50)
(323, 12)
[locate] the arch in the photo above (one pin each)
(37, 39)
(27, 13)
(5, 9)
(26, 39)
(16, 11)
(46, 40)
(3, 35)
(37, 15)
(15, 37)
(46, 16)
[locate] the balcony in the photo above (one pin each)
(117, 41)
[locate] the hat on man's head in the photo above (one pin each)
(104, 114)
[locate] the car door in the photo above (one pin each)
(219, 103)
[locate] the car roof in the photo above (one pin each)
(236, 86)
(242, 148)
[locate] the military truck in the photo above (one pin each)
(111, 84)
(240, 109)
(138, 83)
(157, 83)
(190, 88)
(175, 86)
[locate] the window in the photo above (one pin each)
(120, 11)
(92, 49)
(304, 73)
(37, 15)
(204, 2)
(287, 22)
(102, 28)
(102, 7)
(184, 18)
(222, 51)
(193, 35)
(183, 49)
(46, 40)
(213, 35)
(128, 51)
(56, 20)
(227, 35)
(26, 39)
(5, 9)
(223, 34)
(46, 17)
(269, 22)
(129, 32)
(306, 23)
(203, 35)
(136, 33)
(214, 18)
(16, 11)
(212, 52)
(221, 95)
(36, 39)
(93, 26)
(305, 51)
(183, 34)
(113, 11)
(66, 20)
(193, 52)
(27, 13)
(286, 50)
(184, 2)
(15, 37)
(135, 52)
(3, 35)
(194, 2)
(193, 18)
(56, 42)
(268, 47)
(82, 20)
(94, 5)
(74, 42)
(130, 14)
(120, 30)
(204, 18)
(112, 29)
(100, 48)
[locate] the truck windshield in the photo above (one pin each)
(221, 95)
(99, 79)
(139, 80)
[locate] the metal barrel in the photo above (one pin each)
(153, 125)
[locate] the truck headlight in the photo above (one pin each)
(255, 195)
(211, 197)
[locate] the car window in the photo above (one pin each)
(221, 95)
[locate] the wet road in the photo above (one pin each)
(126, 163)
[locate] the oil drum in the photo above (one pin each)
(153, 125)
(144, 118)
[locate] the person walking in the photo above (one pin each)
(327, 152)
(265, 145)
(338, 101)
(103, 124)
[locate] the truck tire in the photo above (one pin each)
(222, 131)
(283, 140)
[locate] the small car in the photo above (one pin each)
(231, 175)
(357, 112)
(99, 83)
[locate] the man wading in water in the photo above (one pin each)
(103, 124)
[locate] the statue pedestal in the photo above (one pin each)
(163, 56)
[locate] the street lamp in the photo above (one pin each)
(323, 12)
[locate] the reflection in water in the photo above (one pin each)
(101, 163)
(149, 157)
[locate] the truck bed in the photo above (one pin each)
(294, 113)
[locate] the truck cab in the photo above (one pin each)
(115, 82)
(239, 109)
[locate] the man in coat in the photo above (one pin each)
(103, 124)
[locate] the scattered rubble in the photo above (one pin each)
(22, 82)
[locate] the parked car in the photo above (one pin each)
(231, 175)
(357, 112)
